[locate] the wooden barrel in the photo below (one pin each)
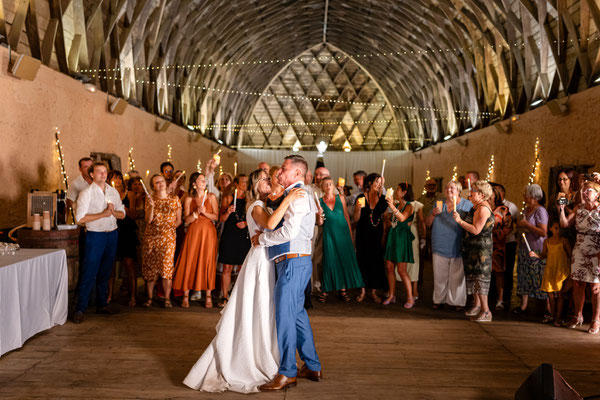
(55, 239)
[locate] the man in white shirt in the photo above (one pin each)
(78, 185)
(81, 182)
(98, 208)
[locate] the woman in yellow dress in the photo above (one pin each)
(557, 252)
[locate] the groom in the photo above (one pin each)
(289, 248)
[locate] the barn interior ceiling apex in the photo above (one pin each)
(356, 74)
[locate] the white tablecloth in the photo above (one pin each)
(33, 294)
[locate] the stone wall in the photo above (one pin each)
(32, 110)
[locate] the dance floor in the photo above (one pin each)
(367, 352)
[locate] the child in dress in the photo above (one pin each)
(557, 252)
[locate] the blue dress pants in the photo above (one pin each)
(293, 328)
(100, 253)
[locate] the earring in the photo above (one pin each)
(195, 187)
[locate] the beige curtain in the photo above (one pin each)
(340, 164)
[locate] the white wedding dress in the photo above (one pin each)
(244, 353)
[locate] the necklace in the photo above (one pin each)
(237, 207)
(371, 212)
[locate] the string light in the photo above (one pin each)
(535, 168)
(131, 160)
(199, 166)
(536, 163)
(59, 150)
(490, 171)
(307, 59)
(455, 173)
(321, 100)
(241, 127)
(169, 152)
(427, 177)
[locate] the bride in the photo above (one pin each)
(244, 353)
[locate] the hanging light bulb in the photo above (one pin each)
(322, 147)
(347, 146)
(296, 145)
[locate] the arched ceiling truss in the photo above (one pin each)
(444, 65)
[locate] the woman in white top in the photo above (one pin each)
(244, 353)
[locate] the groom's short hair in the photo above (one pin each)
(298, 162)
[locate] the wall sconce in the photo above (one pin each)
(558, 108)
(162, 125)
(90, 87)
(503, 127)
(116, 107)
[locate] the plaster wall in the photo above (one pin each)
(30, 111)
(570, 139)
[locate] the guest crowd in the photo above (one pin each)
(189, 241)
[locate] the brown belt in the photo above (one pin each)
(288, 256)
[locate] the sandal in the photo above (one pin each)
(208, 303)
(168, 303)
(223, 302)
(411, 304)
(575, 322)
(547, 318)
(360, 298)
(375, 298)
(185, 303)
(132, 302)
(148, 303)
(322, 297)
(558, 322)
(474, 311)
(344, 296)
(593, 331)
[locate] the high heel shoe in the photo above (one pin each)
(410, 302)
(360, 298)
(375, 298)
(474, 311)
(389, 300)
(575, 322)
(593, 331)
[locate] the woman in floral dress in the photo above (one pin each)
(477, 248)
(163, 216)
(584, 268)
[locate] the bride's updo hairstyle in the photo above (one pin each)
(253, 180)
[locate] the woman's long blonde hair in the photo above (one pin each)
(252, 194)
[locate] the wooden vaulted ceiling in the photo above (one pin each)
(442, 66)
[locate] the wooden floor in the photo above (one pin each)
(367, 352)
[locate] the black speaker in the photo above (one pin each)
(545, 383)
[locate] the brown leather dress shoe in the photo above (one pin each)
(310, 374)
(279, 383)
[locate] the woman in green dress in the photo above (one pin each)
(340, 268)
(477, 249)
(398, 250)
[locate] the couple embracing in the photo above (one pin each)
(264, 321)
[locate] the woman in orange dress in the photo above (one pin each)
(197, 263)
(163, 216)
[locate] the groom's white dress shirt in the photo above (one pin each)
(297, 228)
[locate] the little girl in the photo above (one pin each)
(557, 252)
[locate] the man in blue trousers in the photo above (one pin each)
(289, 248)
(98, 208)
